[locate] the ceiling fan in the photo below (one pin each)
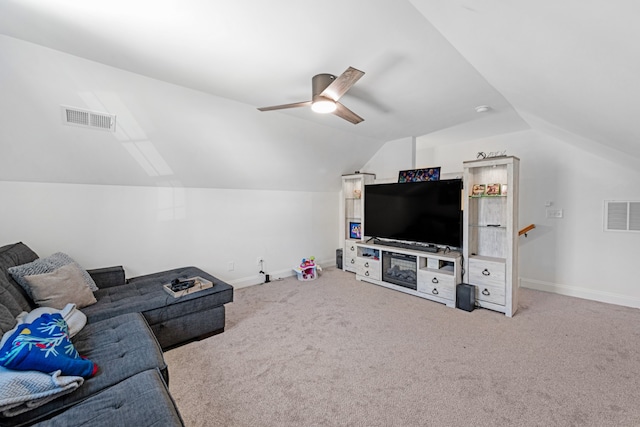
(327, 89)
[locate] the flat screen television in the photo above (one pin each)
(428, 212)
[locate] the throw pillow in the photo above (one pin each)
(47, 265)
(60, 287)
(43, 345)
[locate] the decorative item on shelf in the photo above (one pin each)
(307, 270)
(477, 190)
(417, 175)
(355, 230)
(491, 154)
(493, 190)
(503, 190)
(357, 194)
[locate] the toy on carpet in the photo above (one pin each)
(308, 269)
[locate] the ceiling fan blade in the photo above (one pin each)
(342, 84)
(344, 113)
(282, 107)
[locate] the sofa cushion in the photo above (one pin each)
(122, 347)
(7, 320)
(60, 287)
(141, 400)
(12, 295)
(108, 276)
(47, 265)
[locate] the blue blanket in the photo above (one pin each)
(44, 345)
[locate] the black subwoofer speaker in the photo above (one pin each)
(466, 297)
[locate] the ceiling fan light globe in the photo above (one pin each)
(323, 106)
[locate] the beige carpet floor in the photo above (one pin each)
(338, 352)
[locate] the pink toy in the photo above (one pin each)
(307, 269)
(308, 262)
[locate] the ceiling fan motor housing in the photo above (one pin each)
(320, 82)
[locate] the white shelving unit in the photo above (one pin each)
(490, 233)
(353, 199)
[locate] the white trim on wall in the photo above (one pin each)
(274, 276)
(580, 292)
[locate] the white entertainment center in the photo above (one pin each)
(488, 260)
(427, 275)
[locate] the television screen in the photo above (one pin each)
(425, 212)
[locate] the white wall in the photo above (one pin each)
(572, 255)
(391, 158)
(149, 229)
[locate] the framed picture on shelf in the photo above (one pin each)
(355, 230)
(493, 190)
(477, 190)
(503, 190)
(417, 175)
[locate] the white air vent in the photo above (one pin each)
(88, 119)
(621, 215)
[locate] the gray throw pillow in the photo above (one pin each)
(60, 287)
(47, 265)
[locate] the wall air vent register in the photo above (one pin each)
(73, 116)
(621, 215)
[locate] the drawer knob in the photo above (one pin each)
(353, 261)
(435, 291)
(353, 248)
(434, 280)
(366, 273)
(485, 272)
(486, 292)
(366, 264)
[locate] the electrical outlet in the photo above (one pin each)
(230, 265)
(260, 260)
(554, 213)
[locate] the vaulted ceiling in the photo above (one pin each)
(184, 79)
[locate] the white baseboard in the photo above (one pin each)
(258, 279)
(578, 292)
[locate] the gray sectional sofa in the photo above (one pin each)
(127, 329)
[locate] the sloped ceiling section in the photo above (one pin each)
(165, 135)
(185, 78)
(574, 65)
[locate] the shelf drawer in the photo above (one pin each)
(350, 248)
(437, 284)
(349, 261)
(368, 268)
(486, 272)
(489, 293)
